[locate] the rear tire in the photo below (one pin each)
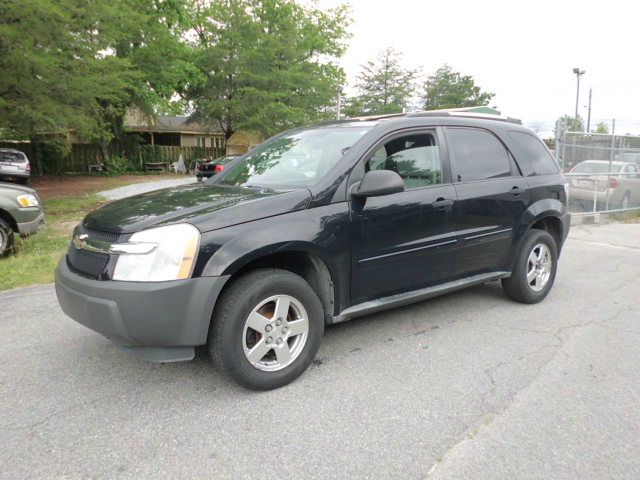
(6, 238)
(535, 268)
(266, 329)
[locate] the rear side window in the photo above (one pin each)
(478, 155)
(533, 149)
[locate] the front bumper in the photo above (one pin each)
(166, 318)
(31, 227)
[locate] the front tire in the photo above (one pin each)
(7, 238)
(266, 329)
(535, 268)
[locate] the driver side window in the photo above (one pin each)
(415, 157)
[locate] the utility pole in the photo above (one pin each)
(578, 73)
(589, 112)
(339, 104)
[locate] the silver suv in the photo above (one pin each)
(14, 165)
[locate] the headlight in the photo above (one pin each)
(159, 254)
(27, 200)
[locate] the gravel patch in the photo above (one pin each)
(138, 188)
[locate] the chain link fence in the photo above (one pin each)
(603, 172)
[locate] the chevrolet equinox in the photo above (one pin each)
(316, 226)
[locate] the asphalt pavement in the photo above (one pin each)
(470, 385)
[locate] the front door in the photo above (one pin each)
(404, 241)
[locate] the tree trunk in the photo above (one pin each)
(104, 150)
(36, 160)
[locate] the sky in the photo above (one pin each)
(524, 52)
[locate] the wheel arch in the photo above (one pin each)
(6, 216)
(299, 259)
(545, 215)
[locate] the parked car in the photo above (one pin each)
(207, 169)
(317, 226)
(590, 179)
(20, 212)
(14, 165)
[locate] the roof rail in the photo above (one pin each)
(484, 116)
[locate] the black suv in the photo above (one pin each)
(316, 226)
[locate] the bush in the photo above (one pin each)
(119, 165)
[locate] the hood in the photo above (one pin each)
(17, 188)
(206, 206)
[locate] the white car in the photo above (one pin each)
(590, 179)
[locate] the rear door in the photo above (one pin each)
(492, 197)
(405, 241)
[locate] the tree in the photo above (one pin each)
(567, 123)
(73, 64)
(266, 65)
(383, 86)
(602, 127)
(449, 89)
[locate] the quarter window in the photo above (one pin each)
(478, 155)
(415, 157)
(532, 148)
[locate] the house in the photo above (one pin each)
(241, 142)
(172, 130)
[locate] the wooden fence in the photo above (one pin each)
(76, 158)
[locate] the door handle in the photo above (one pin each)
(515, 191)
(442, 203)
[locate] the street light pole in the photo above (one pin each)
(589, 114)
(578, 73)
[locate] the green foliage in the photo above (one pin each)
(449, 89)
(383, 85)
(266, 65)
(74, 64)
(117, 165)
(568, 123)
(602, 127)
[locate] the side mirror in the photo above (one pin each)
(377, 183)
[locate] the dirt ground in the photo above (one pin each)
(60, 186)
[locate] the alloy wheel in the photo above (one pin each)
(275, 333)
(539, 267)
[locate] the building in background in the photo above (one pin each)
(172, 130)
(241, 142)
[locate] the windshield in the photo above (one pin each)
(593, 167)
(297, 160)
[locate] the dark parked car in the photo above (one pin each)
(14, 165)
(20, 212)
(317, 226)
(208, 169)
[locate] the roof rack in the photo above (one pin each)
(484, 116)
(430, 113)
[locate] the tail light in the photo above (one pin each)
(28, 167)
(197, 167)
(218, 168)
(613, 183)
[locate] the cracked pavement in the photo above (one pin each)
(469, 385)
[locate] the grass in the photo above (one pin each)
(35, 258)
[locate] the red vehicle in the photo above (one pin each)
(210, 168)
